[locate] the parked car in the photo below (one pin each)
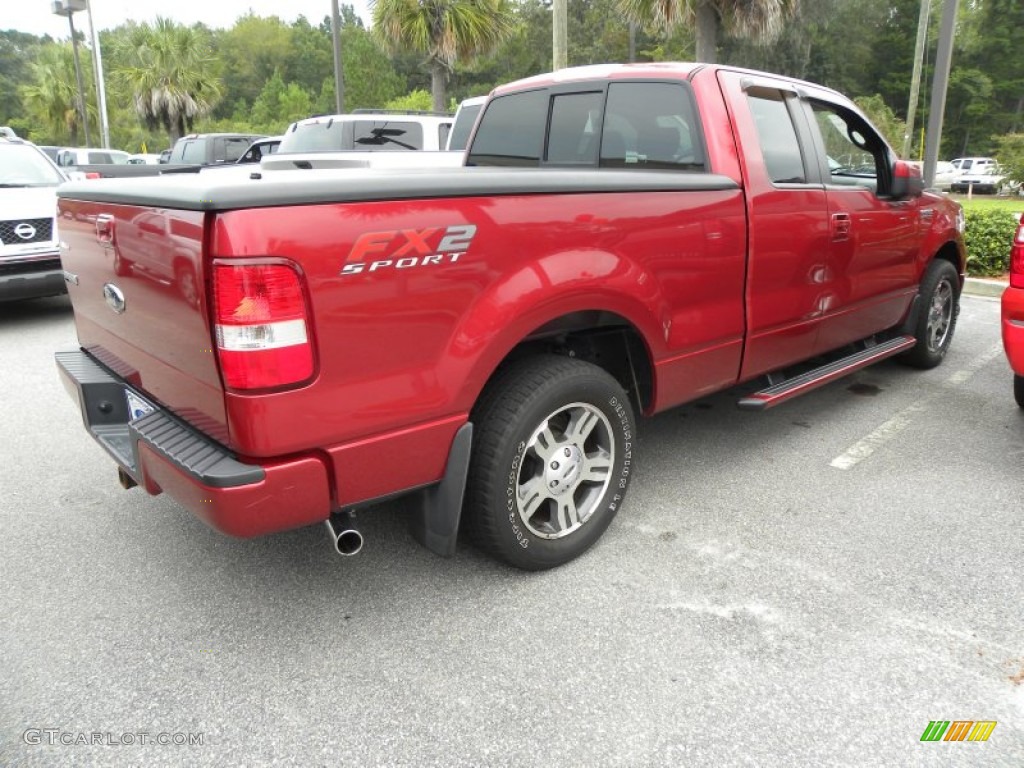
(49, 151)
(977, 174)
(1013, 314)
(945, 174)
(70, 158)
(29, 257)
(260, 148)
(190, 153)
(210, 148)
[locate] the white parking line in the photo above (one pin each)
(875, 439)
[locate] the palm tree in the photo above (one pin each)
(757, 20)
(166, 69)
(444, 30)
(52, 96)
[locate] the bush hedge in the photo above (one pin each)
(988, 238)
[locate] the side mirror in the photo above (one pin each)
(906, 180)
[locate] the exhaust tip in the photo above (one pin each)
(349, 543)
(345, 537)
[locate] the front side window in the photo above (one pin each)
(776, 133)
(856, 155)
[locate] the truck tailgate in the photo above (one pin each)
(135, 277)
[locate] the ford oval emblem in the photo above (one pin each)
(114, 297)
(25, 231)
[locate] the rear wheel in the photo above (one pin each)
(1018, 390)
(939, 295)
(552, 460)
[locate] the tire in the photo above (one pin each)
(1018, 390)
(553, 454)
(939, 295)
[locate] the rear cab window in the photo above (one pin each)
(639, 125)
(387, 135)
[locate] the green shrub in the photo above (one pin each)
(988, 238)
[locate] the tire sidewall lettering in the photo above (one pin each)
(621, 420)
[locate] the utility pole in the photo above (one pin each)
(97, 69)
(339, 79)
(940, 84)
(559, 35)
(915, 82)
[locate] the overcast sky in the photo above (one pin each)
(35, 16)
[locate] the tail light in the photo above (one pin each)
(262, 325)
(1017, 258)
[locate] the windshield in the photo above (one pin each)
(22, 165)
(464, 123)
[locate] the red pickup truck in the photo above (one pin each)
(622, 239)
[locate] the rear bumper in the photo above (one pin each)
(163, 454)
(1013, 328)
(31, 279)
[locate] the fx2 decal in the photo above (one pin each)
(408, 248)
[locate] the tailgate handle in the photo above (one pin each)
(105, 228)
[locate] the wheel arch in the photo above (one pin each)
(605, 339)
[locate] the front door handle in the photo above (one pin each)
(841, 224)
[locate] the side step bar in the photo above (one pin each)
(805, 382)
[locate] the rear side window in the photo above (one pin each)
(653, 126)
(511, 131)
(780, 147)
(387, 135)
(232, 149)
(575, 122)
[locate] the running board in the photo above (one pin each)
(805, 382)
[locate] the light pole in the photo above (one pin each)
(68, 8)
(339, 75)
(97, 70)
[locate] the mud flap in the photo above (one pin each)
(438, 509)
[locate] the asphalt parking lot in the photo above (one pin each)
(808, 586)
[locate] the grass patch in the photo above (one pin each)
(990, 203)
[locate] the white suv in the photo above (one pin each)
(29, 256)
